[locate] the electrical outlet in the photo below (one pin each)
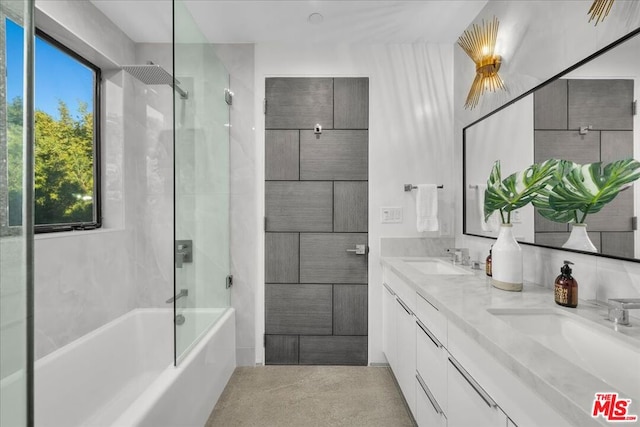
(515, 217)
(391, 215)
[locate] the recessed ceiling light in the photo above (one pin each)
(315, 18)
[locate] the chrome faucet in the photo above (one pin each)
(460, 255)
(619, 309)
(182, 293)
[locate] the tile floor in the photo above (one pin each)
(283, 396)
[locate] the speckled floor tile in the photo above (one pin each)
(283, 396)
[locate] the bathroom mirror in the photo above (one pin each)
(584, 114)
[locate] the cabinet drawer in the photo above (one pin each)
(428, 412)
(431, 363)
(404, 291)
(432, 319)
(473, 406)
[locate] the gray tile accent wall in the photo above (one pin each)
(333, 350)
(334, 155)
(299, 103)
(618, 243)
(324, 258)
(282, 155)
(299, 206)
(350, 206)
(567, 145)
(298, 309)
(316, 198)
(603, 104)
(281, 349)
(282, 254)
(351, 103)
(616, 145)
(550, 106)
(350, 309)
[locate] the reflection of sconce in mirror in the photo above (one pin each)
(479, 43)
(600, 9)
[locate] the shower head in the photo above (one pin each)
(152, 74)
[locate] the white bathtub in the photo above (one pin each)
(122, 374)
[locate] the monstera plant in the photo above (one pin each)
(576, 191)
(518, 189)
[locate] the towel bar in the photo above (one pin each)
(409, 187)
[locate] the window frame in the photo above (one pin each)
(97, 170)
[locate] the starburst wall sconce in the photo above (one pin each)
(600, 9)
(480, 43)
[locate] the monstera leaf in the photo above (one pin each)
(541, 201)
(517, 190)
(585, 189)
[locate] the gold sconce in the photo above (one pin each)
(600, 9)
(479, 43)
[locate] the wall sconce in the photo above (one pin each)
(600, 9)
(479, 43)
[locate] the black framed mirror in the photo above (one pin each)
(587, 113)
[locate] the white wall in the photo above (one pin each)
(538, 40)
(85, 279)
(410, 141)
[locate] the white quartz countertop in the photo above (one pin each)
(465, 299)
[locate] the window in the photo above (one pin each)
(67, 174)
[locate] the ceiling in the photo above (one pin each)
(286, 21)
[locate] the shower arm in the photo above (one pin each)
(183, 94)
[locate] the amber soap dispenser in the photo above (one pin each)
(566, 287)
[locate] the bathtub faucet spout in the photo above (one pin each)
(182, 293)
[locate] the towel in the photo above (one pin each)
(492, 224)
(427, 207)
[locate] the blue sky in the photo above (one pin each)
(58, 76)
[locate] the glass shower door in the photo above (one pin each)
(16, 222)
(201, 183)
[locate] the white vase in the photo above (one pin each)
(579, 239)
(506, 261)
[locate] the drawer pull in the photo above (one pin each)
(483, 394)
(406, 308)
(430, 396)
(428, 333)
(428, 302)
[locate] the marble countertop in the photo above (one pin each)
(464, 300)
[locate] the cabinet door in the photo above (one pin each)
(469, 404)
(428, 412)
(389, 326)
(406, 353)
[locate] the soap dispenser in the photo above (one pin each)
(487, 265)
(566, 287)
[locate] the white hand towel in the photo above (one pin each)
(427, 207)
(492, 224)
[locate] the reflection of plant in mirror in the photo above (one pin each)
(516, 190)
(580, 190)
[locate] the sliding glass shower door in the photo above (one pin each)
(201, 177)
(16, 223)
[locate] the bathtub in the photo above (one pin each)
(122, 373)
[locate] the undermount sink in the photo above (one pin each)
(436, 266)
(596, 349)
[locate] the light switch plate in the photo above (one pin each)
(391, 215)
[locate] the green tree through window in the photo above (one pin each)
(65, 144)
